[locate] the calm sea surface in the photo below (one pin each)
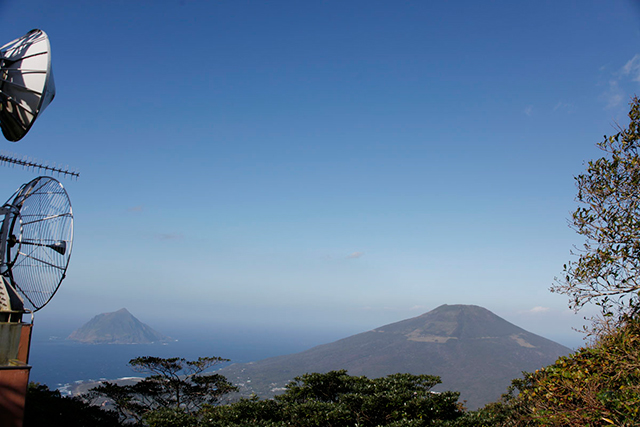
(57, 362)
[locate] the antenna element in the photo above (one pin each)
(31, 164)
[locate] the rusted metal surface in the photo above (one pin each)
(25, 343)
(14, 379)
(15, 341)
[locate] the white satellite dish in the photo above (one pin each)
(26, 83)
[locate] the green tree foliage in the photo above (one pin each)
(607, 270)
(44, 407)
(496, 414)
(597, 386)
(170, 417)
(335, 399)
(244, 412)
(173, 384)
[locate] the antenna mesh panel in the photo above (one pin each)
(43, 233)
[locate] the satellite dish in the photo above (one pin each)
(35, 243)
(26, 83)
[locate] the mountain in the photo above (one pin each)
(474, 352)
(119, 327)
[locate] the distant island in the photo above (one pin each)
(119, 327)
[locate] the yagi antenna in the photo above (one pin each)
(34, 165)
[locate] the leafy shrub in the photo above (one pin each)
(596, 386)
(336, 399)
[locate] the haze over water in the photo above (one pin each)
(56, 361)
(323, 167)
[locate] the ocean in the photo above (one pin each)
(58, 362)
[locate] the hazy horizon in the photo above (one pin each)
(251, 333)
(323, 166)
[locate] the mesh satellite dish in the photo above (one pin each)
(35, 244)
(26, 83)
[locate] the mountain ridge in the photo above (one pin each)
(473, 350)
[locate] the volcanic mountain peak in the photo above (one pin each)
(452, 322)
(118, 327)
(470, 348)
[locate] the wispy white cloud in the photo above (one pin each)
(528, 110)
(564, 106)
(355, 255)
(632, 68)
(538, 309)
(616, 94)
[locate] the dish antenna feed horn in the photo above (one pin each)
(35, 245)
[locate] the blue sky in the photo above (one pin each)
(324, 165)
